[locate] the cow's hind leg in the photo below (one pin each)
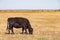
(12, 32)
(8, 31)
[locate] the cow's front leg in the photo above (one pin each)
(26, 31)
(22, 30)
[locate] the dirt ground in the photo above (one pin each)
(46, 26)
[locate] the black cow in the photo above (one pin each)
(19, 22)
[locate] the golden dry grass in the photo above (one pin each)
(46, 26)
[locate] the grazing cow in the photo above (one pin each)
(19, 22)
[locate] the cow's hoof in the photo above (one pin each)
(12, 33)
(21, 33)
(7, 33)
(26, 33)
(30, 34)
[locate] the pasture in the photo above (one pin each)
(46, 26)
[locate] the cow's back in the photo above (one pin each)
(18, 20)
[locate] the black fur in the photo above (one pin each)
(19, 22)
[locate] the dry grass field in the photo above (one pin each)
(46, 26)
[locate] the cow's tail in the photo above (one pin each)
(7, 26)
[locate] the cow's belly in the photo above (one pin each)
(17, 26)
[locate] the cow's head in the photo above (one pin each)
(30, 30)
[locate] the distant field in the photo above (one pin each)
(46, 26)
